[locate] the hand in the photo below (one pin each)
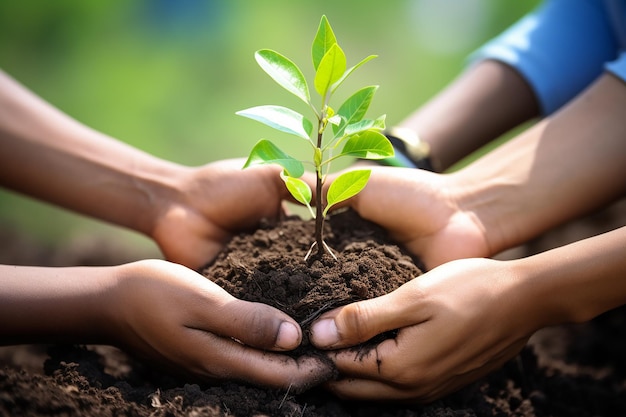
(213, 202)
(169, 314)
(457, 323)
(421, 212)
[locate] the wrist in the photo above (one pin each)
(539, 293)
(91, 307)
(496, 194)
(156, 187)
(411, 151)
(479, 203)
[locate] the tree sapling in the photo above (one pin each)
(358, 137)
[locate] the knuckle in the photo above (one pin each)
(418, 380)
(256, 327)
(355, 323)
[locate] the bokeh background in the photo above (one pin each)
(167, 76)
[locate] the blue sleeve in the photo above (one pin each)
(560, 48)
(618, 67)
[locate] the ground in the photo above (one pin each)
(574, 370)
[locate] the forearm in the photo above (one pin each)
(482, 104)
(560, 169)
(576, 282)
(43, 305)
(48, 155)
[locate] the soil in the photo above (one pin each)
(269, 266)
(574, 370)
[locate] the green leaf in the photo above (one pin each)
(345, 186)
(355, 107)
(324, 39)
(265, 152)
(280, 118)
(350, 71)
(369, 144)
(330, 69)
(365, 124)
(335, 120)
(299, 189)
(284, 72)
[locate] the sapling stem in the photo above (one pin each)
(319, 184)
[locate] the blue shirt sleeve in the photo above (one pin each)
(560, 48)
(618, 67)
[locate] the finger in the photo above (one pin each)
(374, 363)
(210, 308)
(358, 322)
(379, 376)
(254, 324)
(364, 389)
(263, 326)
(391, 183)
(383, 373)
(239, 362)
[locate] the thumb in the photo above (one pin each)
(261, 326)
(358, 322)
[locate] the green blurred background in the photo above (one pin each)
(167, 76)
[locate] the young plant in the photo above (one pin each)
(344, 128)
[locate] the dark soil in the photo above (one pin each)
(269, 266)
(564, 371)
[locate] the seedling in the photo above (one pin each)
(349, 130)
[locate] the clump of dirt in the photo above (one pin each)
(269, 266)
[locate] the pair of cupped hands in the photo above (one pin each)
(448, 335)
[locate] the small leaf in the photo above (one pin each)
(365, 124)
(350, 71)
(317, 157)
(284, 72)
(280, 118)
(265, 152)
(345, 186)
(335, 120)
(330, 69)
(369, 144)
(324, 39)
(299, 189)
(355, 107)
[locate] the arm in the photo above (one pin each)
(564, 167)
(160, 311)
(533, 68)
(473, 110)
(50, 156)
(189, 212)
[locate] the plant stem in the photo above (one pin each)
(319, 217)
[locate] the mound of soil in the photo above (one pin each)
(269, 266)
(566, 371)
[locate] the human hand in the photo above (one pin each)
(169, 314)
(456, 323)
(213, 202)
(421, 212)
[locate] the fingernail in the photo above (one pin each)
(324, 333)
(288, 336)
